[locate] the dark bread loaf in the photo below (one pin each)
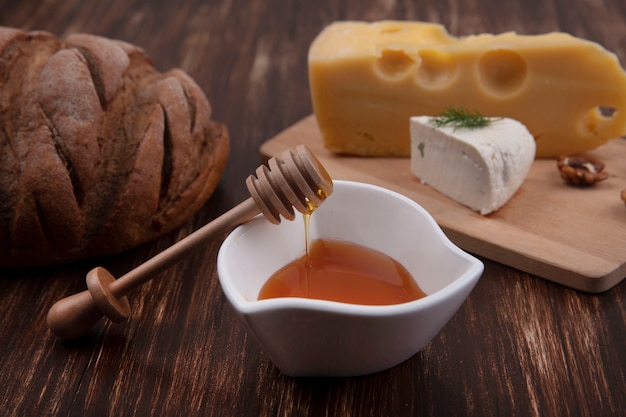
(99, 152)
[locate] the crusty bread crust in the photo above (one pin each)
(99, 152)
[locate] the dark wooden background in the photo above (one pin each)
(519, 346)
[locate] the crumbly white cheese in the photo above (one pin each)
(481, 168)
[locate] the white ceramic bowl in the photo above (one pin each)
(305, 337)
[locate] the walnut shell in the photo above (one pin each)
(581, 170)
(99, 152)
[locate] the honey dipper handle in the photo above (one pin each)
(297, 180)
(72, 316)
(227, 221)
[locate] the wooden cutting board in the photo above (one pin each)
(572, 236)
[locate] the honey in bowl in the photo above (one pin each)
(342, 271)
(346, 272)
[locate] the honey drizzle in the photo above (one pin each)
(311, 207)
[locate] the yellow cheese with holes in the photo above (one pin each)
(368, 79)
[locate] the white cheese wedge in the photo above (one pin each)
(480, 168)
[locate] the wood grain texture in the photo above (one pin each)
(519, 346)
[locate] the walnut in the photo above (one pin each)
(581, 170)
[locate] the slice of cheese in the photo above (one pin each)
(367, 79)
(479, 168)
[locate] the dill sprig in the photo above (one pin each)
(460, 118)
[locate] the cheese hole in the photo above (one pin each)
(437, 69)
(607, 111)
(502, 72)
(394, 64)
(597, 119)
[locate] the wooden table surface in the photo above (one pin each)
(519, 346)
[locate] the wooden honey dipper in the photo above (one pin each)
(295, 180)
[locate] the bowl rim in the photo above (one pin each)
(469, 277)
